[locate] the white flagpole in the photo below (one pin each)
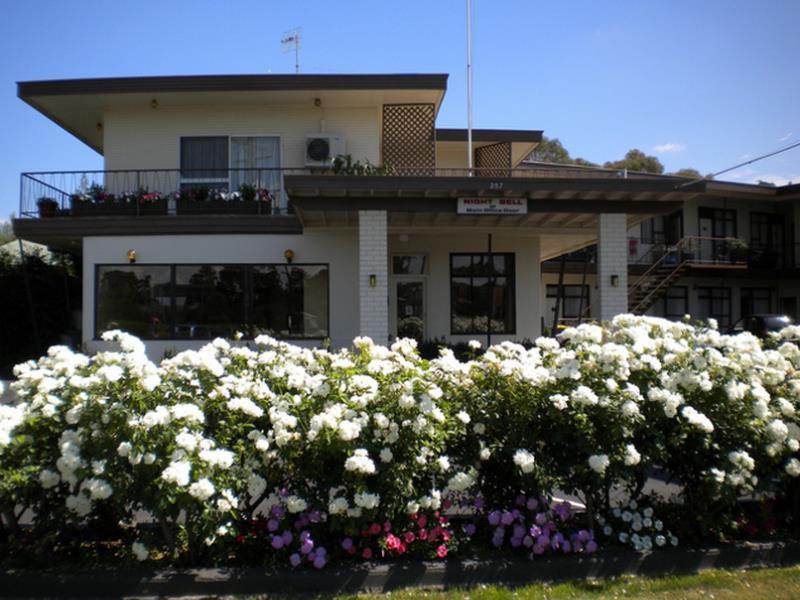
(469, 86)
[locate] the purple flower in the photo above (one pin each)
(591, 547)
(520, 500)
(535, 531)
(544, 540)
(295, 559)
(494, 517)
(539, 548)
(287, 537)
(566, 547)
(480, 503)
(347, 544)
(519, 531)
(469, 529)
(532, 504)
(307, 546)
(497, 541)
(321, 551)
(314, 516)
(273, 525)
(541, 518)
(319, 562)
(584, 535)
(305, 535)
(278, 511)
(527, 541)
(507, 518)
(277, 542)
(515, 542)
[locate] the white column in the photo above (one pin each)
(373, 281)
(612, 265)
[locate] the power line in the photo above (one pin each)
(748, 162)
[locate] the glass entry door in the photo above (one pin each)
(410, 312)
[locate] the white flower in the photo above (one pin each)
(366, 500)
(338, 506)
(246, 406)
(632, 456)
(698, 419)
(461, 481)
(474, 345)
(793, 467)
(256, 485)
(524, 460)
(202, 489)
(463, 417)
(584, 395)
(124, 449)
(140, 551)
(189, 412)
(348, 430)
(778, 430)
(444, 463)
(186, 440)
(49, 478)
(295, 504)
(360, 462)
(386, 455)
(599, 463)
(217, 458)
(479, 428)
(98, 489)
(177, 472)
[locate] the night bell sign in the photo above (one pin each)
(492, 206)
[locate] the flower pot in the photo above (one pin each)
(47, 208)
(222, 207)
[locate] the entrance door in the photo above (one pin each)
(410, 315)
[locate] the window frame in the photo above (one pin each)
(511, 278)
(248, 296)
(709, 290)
(585, 295)
(684, 297)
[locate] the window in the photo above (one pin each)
(204, 162)
(676, 302)
(717, 222)
(482, 293)
(207, 301)
(224, 162)
(755, 301)
(409, 264)
(715, 303)
(134, 298)
(573, 302)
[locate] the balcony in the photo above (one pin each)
(153, 192)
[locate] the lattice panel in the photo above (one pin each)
(494, 160)
(409, 145)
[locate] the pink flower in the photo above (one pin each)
(367, 553)
(392, 542)
(409, 536)
(374, 529)
(441, 551)
(422, 520)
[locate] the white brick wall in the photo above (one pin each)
(612, 259)
(373, 259)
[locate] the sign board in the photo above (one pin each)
(492, 206)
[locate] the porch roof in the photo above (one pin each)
(563, 213)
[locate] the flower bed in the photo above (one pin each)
(275, 453)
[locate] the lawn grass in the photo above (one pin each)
(767, 584)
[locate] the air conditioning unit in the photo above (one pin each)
(322, 148)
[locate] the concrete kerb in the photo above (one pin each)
(383, 577)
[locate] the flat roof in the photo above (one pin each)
(231, 83)
(490, 135)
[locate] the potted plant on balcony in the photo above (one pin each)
(737, 251)
(47, 207)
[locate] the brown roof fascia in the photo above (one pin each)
(231, 83)
(490, 135)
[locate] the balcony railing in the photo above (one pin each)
(154, 192)
(183, 191)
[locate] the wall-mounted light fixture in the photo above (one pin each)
(288, 254)
(317, 102)
(373, 280)
(153, 103)
(99, 126)
(615, 281)
(131, 256)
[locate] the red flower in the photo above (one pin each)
(441, 551)
(374, 529)
(392, 542)
(367, 553)
(422, 521)
(410, 537)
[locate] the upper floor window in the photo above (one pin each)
(717, 222)
(222, 162)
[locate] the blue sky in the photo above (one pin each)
(702, 84)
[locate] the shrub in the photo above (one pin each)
(275, 452)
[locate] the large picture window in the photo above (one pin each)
(205, 301)
(482, 293)
(715, 303)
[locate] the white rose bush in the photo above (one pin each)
(272, 453)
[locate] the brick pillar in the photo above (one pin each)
(612, 260)
(373, 259)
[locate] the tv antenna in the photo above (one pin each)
(292, 38)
